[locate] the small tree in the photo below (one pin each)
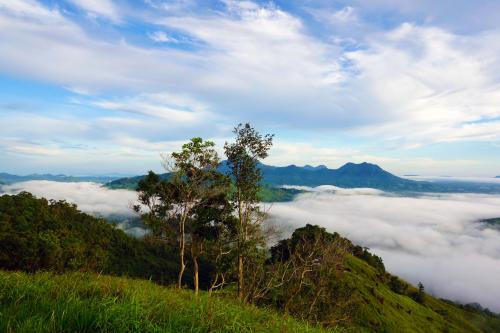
(243, 157)
(419, 296)
(171, 205)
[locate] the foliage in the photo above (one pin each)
(189, 204)
(397, 285)
(243, 156)
(77, 302)
(310, 266)
(36, 234)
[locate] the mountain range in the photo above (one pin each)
(350, 175)
(7, 178)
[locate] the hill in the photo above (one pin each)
(8, 178)
(89, 302)
(495, 222)
(36, 234)
(267, 193)
(350, 175)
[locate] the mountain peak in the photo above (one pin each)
(360, 166)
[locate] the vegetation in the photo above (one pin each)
(36, 234)
(494, 223)
(88, 302)
(189, 204)
(242, 160)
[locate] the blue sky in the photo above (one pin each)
(106, 86)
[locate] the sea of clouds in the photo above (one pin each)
(435, 239)
(432, 238)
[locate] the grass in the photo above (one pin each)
(88, 302)
(383, 310)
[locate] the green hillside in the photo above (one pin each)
(88, 302)
(383, 310)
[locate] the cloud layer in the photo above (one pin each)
(433, 238)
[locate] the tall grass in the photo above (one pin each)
(87, 302)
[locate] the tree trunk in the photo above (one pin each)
(240, 277)
(181, 253)
(240, 249)
(196, 270)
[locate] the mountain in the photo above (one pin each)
(7, 178)
(497, 177)
(350, 175)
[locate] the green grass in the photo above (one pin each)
(383, 310)
(87, 302)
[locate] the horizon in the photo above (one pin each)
(104, 87)
(413, 176)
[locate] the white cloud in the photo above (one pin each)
(179, 110)
(434, 238)
(91, 198)
(431, 85)
(401, 89)
(162, 37)
(105, 8)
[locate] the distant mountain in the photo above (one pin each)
(350, 175)
(7, 178)
(497, 177)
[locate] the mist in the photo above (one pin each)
(91, 198)
(435, 239)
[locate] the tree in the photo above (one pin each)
(243, 157)
(419, 295)
(172, 205)
(307, 270)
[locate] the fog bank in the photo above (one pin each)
(435, 239)
(91, 198)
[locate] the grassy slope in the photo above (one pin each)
(385, 311)
(87, 302)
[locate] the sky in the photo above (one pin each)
(105, 86)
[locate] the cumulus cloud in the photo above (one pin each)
(435, 239)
